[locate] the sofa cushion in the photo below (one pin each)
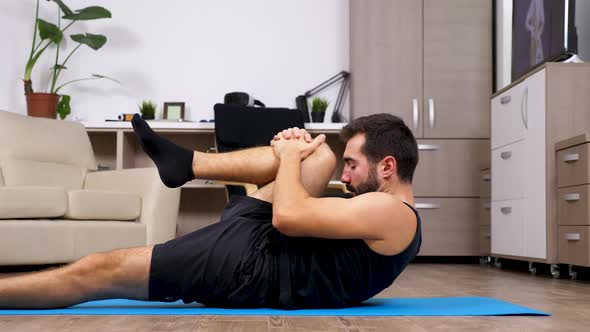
(32, 202)
(37, 173)
(48, 140)
(36, 241)
(102, 205)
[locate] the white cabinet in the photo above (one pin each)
(519, 170)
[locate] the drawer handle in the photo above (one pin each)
(571, 197)
(505, 100)
(506, 155)
(572, 236)
(428, 147)
(487, 178)
(570, 158)
(506, 209)
(427, 206)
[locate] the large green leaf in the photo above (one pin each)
(49, 31)
(63, 108)
(65, 9)
(89, 13)
(93, 41)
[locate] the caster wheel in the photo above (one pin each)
(573, 274)
(554, 268)
(532, 269)
(484, 260)
(497, 263)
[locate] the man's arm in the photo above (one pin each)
(371, 216)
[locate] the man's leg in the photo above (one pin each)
(177, 165)
(122, 273)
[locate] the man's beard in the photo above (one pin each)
(371, 184)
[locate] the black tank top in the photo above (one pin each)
(316, 272)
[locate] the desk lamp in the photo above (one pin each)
(301, 101)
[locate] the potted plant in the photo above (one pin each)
(148, 110)
(318, 109)
(46, 104)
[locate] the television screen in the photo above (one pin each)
(540, 31)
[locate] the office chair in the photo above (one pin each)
(238, 127)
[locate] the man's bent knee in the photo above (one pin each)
(324, 156)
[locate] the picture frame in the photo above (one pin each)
(174, 111)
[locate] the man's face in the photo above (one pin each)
(359, 175)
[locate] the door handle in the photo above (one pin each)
(428, 147)
(415, 112)
(570, 158)
(571, 197)
(524, 106)
(506, 155)
(572, 236)
(431, 112)
(506, 209)
(505, 100)
(427, 206)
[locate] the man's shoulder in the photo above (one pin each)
(383, 202)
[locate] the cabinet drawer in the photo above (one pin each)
(485, 240)
(450, 167)
(573, 245)
(572, 166)
(508, 227)
(485, 207)
(572, 205)
(449, 226)
(507, 117)
(485, 184)
(508, 168)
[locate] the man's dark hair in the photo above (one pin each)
(386, 135)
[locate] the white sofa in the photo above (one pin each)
(55, 207)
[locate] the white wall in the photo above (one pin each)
(183, 50)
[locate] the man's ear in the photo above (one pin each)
(388, 167)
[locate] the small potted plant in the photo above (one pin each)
(148, 110)
(318, 109)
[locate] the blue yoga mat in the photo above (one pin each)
(445, 306)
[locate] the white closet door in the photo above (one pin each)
(535, 173)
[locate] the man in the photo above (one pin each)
(282, 247)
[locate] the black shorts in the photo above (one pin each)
(231, 263)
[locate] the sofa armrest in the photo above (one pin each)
(159, 204)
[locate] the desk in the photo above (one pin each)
(201, 201)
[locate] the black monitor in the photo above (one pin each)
(542, 30)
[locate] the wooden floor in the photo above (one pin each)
(567, 300)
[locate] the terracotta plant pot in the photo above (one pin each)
(42, 105)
